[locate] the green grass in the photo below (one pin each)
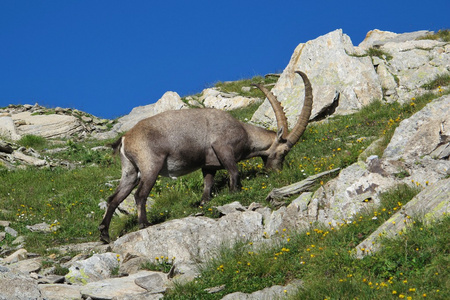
(69, 199)
(413, 265)
(236, 86)
(33, 141)
(379, 53)
(438, 82)
(442, 35)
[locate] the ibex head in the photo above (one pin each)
(286, 140)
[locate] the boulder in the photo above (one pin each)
(8, 129)
(415, 63)
(95, 268)
(376, 38)
(192, 239)
(423, 133)
(429, 206)
(48, 126)
(273, 292)
(341, 81)
(169, 101)
(18, 286)
(118, 288)
(213, 98)
(59, 291)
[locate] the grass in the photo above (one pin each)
(437, 83)
(33, 141)
(442, 35)
(414, 265)
(68, 200)
(236, 86)
(379, 53)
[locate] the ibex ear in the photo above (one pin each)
(280, 135)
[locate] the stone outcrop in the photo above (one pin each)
(17, 121)
(429, 205)
(341, 80)
(169, 101)
(213, 98)
(396, 73)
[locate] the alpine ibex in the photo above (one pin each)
(175, 143)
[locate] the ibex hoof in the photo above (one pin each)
(104, 235)
(144, 225)
(104, 238)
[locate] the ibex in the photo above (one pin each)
(175, 143)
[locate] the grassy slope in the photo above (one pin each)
(68, 199)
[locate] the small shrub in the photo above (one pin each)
(162, 264)
(440, 81)
(442, 35)
(236, 86)
(379, 53)
(33, 141)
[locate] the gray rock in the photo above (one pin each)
(213, 98)
(42, 227)
(331, 68)
(27, 266)
(8, 129)
(169, 101)
(429, 205)
(191, 239)
(29, 160)
(52, 279)
(59, 291)
(18, 287)
(20, 254)
(154, 283)
(11, 231)
(230, 208)
(19, 240)
(117, 288)
(48, 126)
(422, 133)
(4, 223)
(97, 267)
(274, 292)
(377, 38)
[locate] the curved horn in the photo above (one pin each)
(277, 108)
(303, 119)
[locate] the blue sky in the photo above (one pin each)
(107, 57)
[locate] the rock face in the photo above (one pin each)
(21, 120)
(213, 98)
(193, 239)
(8, 129)
(332, 67)
(425, 133)
(169, 101)
(48, 126)
(429, 205)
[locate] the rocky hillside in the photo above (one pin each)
(345, 78)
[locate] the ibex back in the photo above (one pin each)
(175, 143)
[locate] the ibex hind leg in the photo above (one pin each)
(148, 177)
(128, 182)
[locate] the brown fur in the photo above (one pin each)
(175, 143)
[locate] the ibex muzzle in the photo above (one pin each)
(176, 143)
